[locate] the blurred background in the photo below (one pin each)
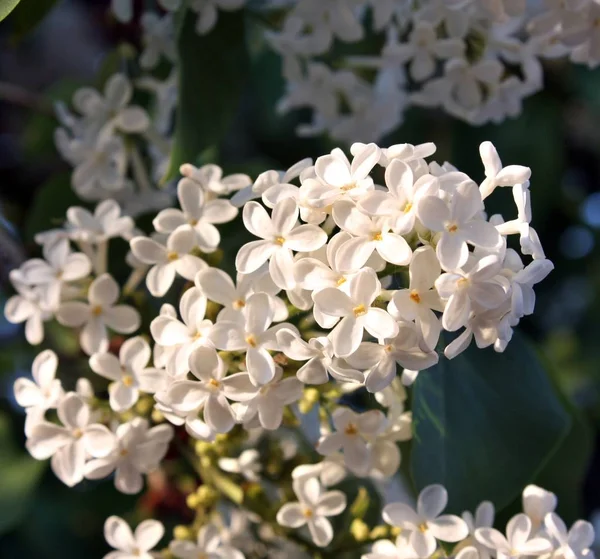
(558, 136)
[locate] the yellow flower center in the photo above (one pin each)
(127, 380)
(97, 310)
(279, 240)
(348, 187)
(408, 207)
(251, 341)
(351, 429)
(308, 513)
(452, 228)
(423, 527)
(172, 256)
(193, 222)
(214, 383)
(238, 304)
(360, 310)
(377, 236)
(341, 281)
(77, 433)
(124, 452)
(414, 295)
(462, 283)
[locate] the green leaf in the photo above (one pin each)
(485, 424)
(213, 71)
(7, 6)
(19, 476)
(28, 16)
(52, 199)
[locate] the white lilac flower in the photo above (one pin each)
(219, 287)
(537, 503)
(318, 354)
(138, 450)
(380, 361)
(129, 373)
(356, 312)
(351, 435)
(387, 549)
(369, 234)
(180, 338)
(111, 110)
(42, 393)
(105, 223)
(483, 518)
(341, 179)
(28, 306)
(281, 235)
(70, 443)
(478, 286)
(168, 260)
(421, 298)
(312, 509)
(247, 464)
(132, 545)
(427, 524)
(198, 213)
(209, 544)
(573, 543)
(98, 314)
(495, 174)
(211, 390)
(210, 178)
(251, 333)
(518, 540)
(459, 224)
(268, 400)
(59, 265)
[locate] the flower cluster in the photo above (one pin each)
(358, 266)
(476, 59)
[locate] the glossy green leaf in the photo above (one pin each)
(19, 475)
(27, 16)
(213, 71)
(7, 6)
(485, 424)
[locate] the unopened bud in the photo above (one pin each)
(359, 530)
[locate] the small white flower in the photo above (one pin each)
(356, 312)
(351, 434)
(42, 393)
(537, 503)
(168, 260)
(212, 391)
(247, 464)
(369, 234)
(198, 213)
(318, 354)
(342, 179)
(105, 223)
(210, 178)
(421, 298)
(69, 443)
(478, 286)
(484, 518)
(386, 549)
(128, 545)
(129, 373)
(251, 333)
(495, 174)
(60, 265)
(459, 224)
(312, 509)
(569, 544)
(28, 306)
(180, 338)
(99, 313)
(427, 524)
(281, 235)
(138, 451)
(268, 400)
(209, 544)
(518, 540)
